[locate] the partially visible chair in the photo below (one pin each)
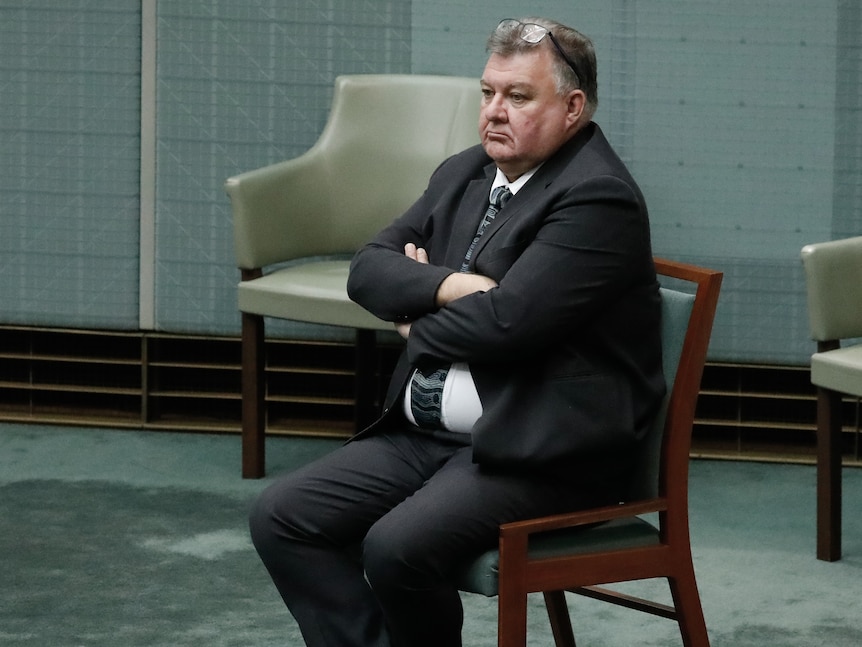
(384, 137)
(577, 551)
(833, 272)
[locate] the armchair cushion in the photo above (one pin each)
(838, 370)
(317, 289)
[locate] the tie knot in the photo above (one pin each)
(500, 196)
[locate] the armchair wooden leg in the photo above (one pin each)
(253, 397)
(512, 619)
(689, 610)
(828, 475)
(512, 592)
(558, 614)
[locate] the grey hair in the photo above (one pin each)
(507, 41)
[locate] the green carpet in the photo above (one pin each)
(111, 538)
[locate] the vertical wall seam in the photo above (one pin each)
(147, 251)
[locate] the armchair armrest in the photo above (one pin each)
(581, 518)
(533, 551)
(280, 211)
(833, 273)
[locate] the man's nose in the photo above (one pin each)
(494, 109)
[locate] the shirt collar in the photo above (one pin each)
(514, 187)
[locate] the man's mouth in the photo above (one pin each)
(495, 136)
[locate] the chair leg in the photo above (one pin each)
(511, 593)
(828, 475)
(366, 378)
(686, 599)
(558, 614)
(511, 619)
(253, 397)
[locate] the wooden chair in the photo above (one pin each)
(385, 136)
(577, 551)
(833, 272)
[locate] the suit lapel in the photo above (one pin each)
(530, 193)
(527, 196)
(470, 211)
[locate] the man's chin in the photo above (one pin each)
(497, 150)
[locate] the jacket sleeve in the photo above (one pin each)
(386, 282)
(580, 254)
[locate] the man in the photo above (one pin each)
(531, 366)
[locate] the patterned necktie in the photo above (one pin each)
(499, 197)
(426, 390)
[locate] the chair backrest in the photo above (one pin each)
(686, 327)
(384, 137)
(833, 273)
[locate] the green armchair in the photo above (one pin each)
(385, 136)
(833, 272)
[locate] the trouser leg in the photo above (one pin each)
(413, 552)
(418, 508)
(308, 526)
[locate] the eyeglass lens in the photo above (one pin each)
(533, 33)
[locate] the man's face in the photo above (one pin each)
(523, 121)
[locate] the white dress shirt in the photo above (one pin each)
(460, 406)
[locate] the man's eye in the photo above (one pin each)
(517, 98)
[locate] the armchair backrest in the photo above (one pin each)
(385, 136)
(686, 327)
(833, 273)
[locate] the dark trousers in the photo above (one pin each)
(362, 544)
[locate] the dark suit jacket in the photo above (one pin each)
(565, 353)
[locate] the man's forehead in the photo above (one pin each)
(524, 69)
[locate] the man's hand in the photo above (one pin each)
(459, 284)
(453, 287)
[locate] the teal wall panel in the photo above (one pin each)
(735, 121)
(241, 86)
(69, 122)
(847, 178)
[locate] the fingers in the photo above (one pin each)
(418, 254)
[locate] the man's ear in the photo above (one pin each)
(576, 103)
